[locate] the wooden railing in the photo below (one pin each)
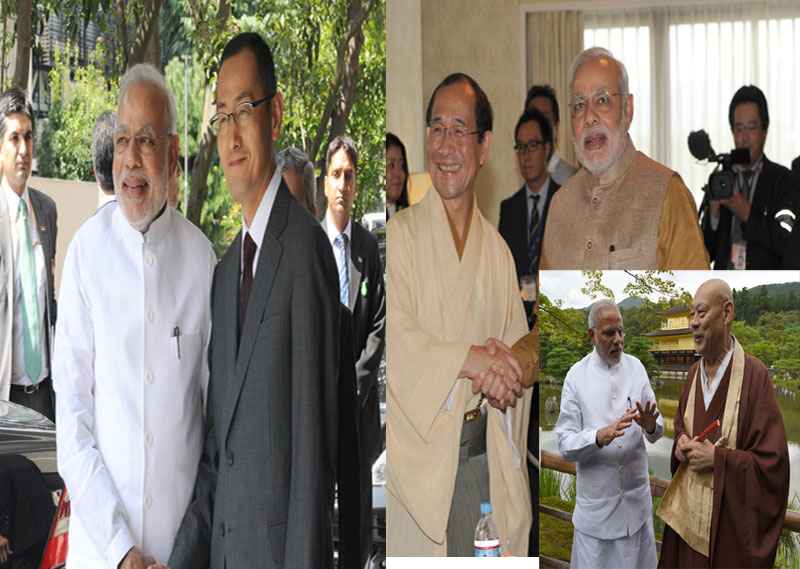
(657, 488)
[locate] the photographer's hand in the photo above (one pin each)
(738, 205)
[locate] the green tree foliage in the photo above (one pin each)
(638, 347)
(65, 149)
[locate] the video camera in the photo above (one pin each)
(720, 184)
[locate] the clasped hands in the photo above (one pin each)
(645, 416)
(496, 372)
(699, 456)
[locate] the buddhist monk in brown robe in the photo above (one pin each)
(727, 499)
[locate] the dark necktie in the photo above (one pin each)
(247, 278)
(533, 227)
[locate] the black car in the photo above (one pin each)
(34, 508)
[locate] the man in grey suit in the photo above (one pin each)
(28, 231)
(265, 484)
(361, 290)
(543, 97)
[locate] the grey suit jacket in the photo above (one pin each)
(47, 219)
(264, 490)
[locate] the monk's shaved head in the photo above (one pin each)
(711, 318)
(716, 290)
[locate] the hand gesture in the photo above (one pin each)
(134, 559)
(5, 550)
(700, 455)
(615, 429)
(680, 447)
(647, 416)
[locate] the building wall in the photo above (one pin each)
(683, 342)
(675, 322)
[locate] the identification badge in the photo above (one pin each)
(739, 255)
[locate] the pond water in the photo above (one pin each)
(658, 454)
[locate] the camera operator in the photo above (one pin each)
(741, 231)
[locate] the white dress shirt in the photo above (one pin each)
(710, 390)
(613, 492)
(18, 374)
(542, 193)
(130, 394)
(260, 220)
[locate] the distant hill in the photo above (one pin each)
(774, 290)
(627, 303)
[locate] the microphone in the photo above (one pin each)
(700, 146)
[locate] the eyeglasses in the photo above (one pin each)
(437, 132)
(146, 143)
(611, 332)
(242, 114)
(528, 146)
(751, 126)
(601, 102)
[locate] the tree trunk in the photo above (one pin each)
(22, 64)
(202, 161)
(145, 45)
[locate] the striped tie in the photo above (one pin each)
(31, 326)
(344, 277)
(533, 253)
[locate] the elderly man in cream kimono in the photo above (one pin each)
(457, 412)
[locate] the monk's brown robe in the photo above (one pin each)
(751, 483)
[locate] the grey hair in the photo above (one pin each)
(596, 307)
(144, 73)
(593, 53)
(296, 160)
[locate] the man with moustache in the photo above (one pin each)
(523, 215)
(543, 97)
(622, 210)
(742, 232)
(453, 286)
(726, 502)
(28, 231)
(265, 484)
(604, 394)
(130, 359)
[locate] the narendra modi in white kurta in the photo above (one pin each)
(130, 373)
(613, 509)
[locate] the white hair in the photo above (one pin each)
(144, 73)
(596, 307)
(593, 53)
(296, 160)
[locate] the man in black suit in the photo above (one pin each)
(264, 490)
(743, 231)
(523, 215)
(28, 231)
(361, 289)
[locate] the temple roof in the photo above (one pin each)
(681, 308)
(669, 332)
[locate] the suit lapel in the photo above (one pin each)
(356, 267)
(269, 256)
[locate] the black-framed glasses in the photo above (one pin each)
(459, 132)
(601, 102)
(146, 143)
(529, 146)
(242, 114)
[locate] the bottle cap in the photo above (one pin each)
(486, 508)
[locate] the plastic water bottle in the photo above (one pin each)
(487, 542)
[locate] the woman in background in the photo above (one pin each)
(396, 175)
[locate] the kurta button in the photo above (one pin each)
(621, 468)
(148, 376)
(148, 501)
(613, 395)
(222, 529)
(148, 438)
(619, 444)
(595, 200)
(148, 260)
(623, 493)
(230, 459)
(149, 315)
(589, 245)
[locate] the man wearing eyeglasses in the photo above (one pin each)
(27, 251)
(265, 485)
(523, 215)
(130, 365)
(622, 210)
(742, 232)
(607, 410)
(453, 286)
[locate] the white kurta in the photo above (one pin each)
(437, 307)
(613, 492)
(130, 395)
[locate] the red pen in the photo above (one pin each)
(708, 430)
